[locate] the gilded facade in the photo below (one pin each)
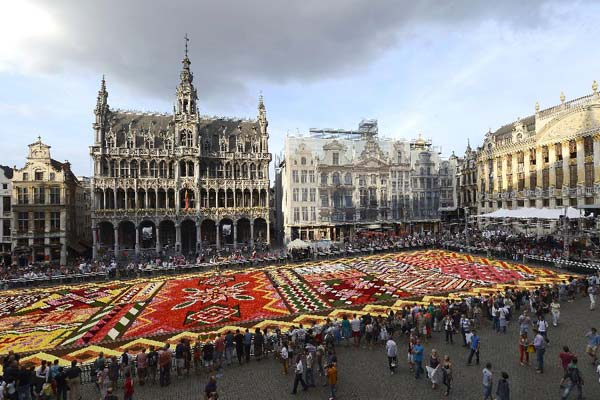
(178, 182)
(548, 159)
(48, 210)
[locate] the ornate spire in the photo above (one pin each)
(595, 87)
(537, 107)
(562, 97)
(101, 102)
(186, 93)
(262, 114)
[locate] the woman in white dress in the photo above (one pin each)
(434, 369)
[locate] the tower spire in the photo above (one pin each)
(186, 44)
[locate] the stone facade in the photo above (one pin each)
(180, 181)
(335, 182)
(6, 174)
(548, 159)
(48, 209)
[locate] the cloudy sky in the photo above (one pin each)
(450, 70)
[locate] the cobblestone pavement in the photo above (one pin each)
(363, 373)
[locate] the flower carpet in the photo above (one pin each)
(81, 320)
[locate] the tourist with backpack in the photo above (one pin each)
(572, 380)
(152, 362)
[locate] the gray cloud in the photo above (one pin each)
(140, 43)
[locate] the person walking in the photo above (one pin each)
(448, 328)
(298, 377)
(542, 327)
(434, 369)
(524, 322)
(128, 387)
(572, 380)
(239, 346)
(247, 344)
(310, 361)
(142, 366)
(418, 358)
(284, 358)
(539, 343)
(592, 292)
(465, 328)
(503, 388)
(474, 348)
(392, 354)
(447, 374)
(565, 358)
(487, 382)
(74, 380)
(332, 379)
(164, 365)
(523, 349)
(555, 310)
(593, 341)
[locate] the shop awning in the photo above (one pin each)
(533, 213)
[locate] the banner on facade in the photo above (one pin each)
(226, 229)
(147, 233)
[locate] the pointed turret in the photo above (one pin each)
(186, 92)
(101, 112)
(186, 110)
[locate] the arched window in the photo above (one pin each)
(133, 169)
(303, 161)
(143, 169)
(207, 145)
(324, 178)
(163, 169)
(123, 169)
(244, 171)
(130, 140)
(252, 171)
(153, 170)
(169, 144)
(232, 143)
(227, 170)
(336, 178)
(348, 178)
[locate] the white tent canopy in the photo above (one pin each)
(297, 244)
(533, 213)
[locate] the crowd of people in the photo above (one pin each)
(507, 243)
(310, 353)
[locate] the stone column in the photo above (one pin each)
(126, 199)
(63, 250)
(552, 174)
(198, 236)
(566, 170)
(178, 238)
(136, 205)
(504, 180)
(235, 234)
(597, 158)
(94, 242)
(539, 163)
(137, 239)
(526, 167)
(580, 172)
(115, 198)
(117, 241)
(218, 235)
(157, 249)
(104, 199)
(269, 233)
(225, 190)
(251, 233)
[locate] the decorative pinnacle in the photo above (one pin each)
(537, 106)
(595, 86)
(186, 44)
(562, 97)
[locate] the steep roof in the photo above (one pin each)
(8, 171)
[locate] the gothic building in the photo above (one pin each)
(178, 182)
